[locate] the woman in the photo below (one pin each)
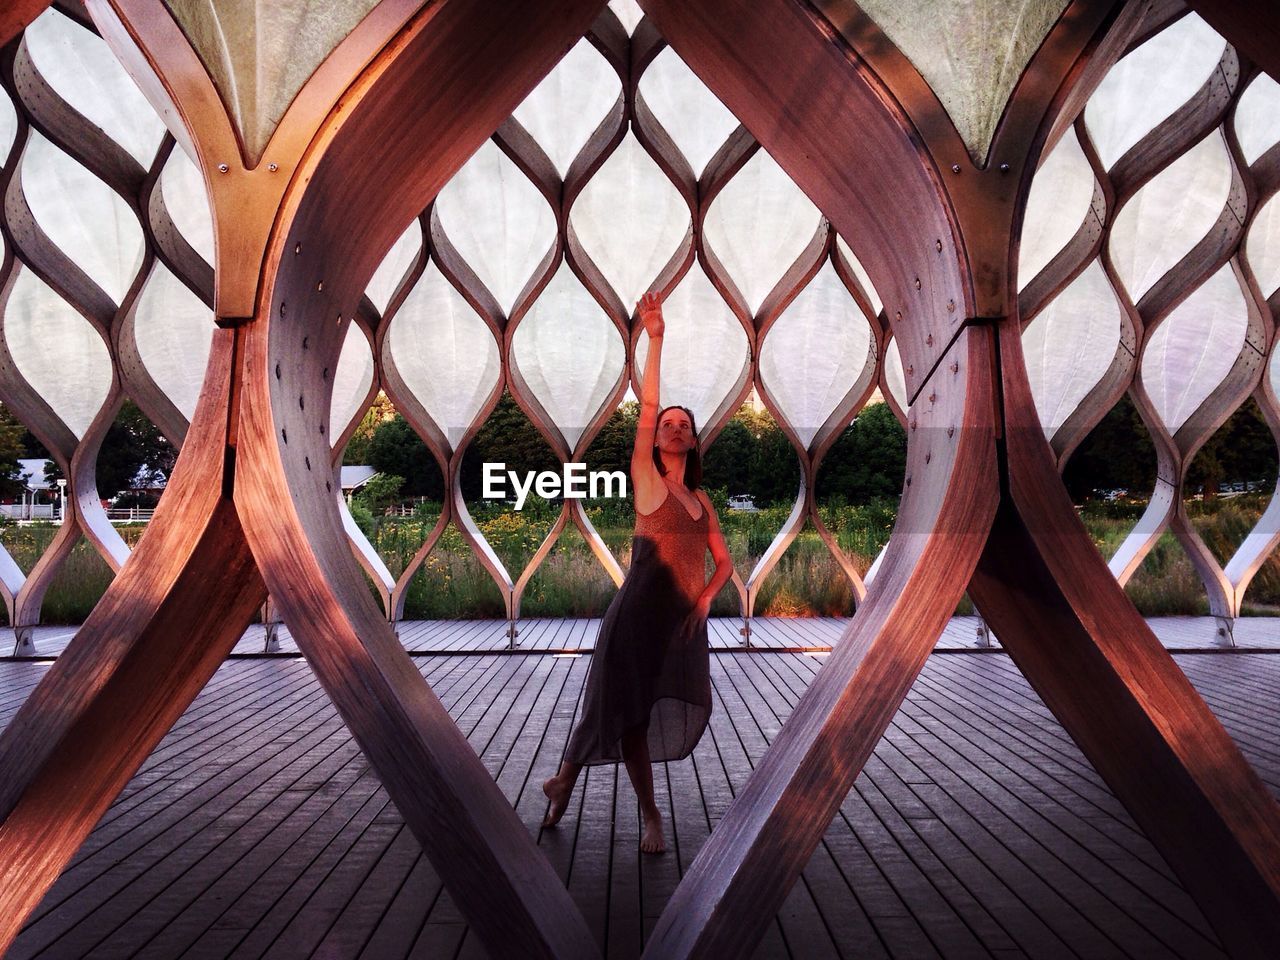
(648, 691)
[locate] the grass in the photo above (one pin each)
(807, 581)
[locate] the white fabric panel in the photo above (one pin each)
(895, 377)
(444, 352)
(1150, 84)
(566, 107)
(861, 273)
(1191, 352)
(174, 330)
(1263, 247)
(758, 225)
(261, 52)
(86, 74)
(704, 347)
(569, 353)
(351, 381)
(1061, 194)
(812, 355)
(971, 54)
(629, 12)
(87, 220)
(694, 117)
(1070, 345)
(1170, 215)
(185, 198)
(1273, 368)
(57, 351)
(1257, 119)
(8, 125)
(498, 221)
(630, 220)
(391, 271)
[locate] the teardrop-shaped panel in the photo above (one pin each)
(758, 224)
(895, 377)
(569, 354)
(87, 220)
(1192, 351)
(1257, 117)
(386, 279)
(630, 220)
(445, 353)
(351, 381)
(1151, 83)
(85, 73)
(860, 272)
(8, 125)
(704, 347)
(174, 332)
(1262, 249)
(566, 107)
(971, 54)
(187, 202)
(814, 352)
(57, 351)
(498, 222)
(693, 116)
(1170, 215)
(1061, 195)
(260, 54)
(1069, 346)
(629, 12)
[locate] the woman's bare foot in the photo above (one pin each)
(558, 792)
(653, 840)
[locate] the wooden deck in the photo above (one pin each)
(976, 830)
(796, 634)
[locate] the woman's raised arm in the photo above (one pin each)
(650, 311)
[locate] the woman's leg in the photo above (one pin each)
(558, 789)
(635, 753)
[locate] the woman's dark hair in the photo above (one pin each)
(692, 458)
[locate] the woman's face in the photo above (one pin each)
(675, 432)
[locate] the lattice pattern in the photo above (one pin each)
(1148, 254)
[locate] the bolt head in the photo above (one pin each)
(223, 168)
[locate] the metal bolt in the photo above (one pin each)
(272, 167)
(938, 245)
(297, 249)
(951, 306)
(928, 457)
(933, 398)
(910, 369)
(1004, 168)
(928, 341)
(955, 366)
(223, 168)
(897, 315)
(955, 168)
(917, 283)
(951, 431)
(282, 308)
(319, 286)
(913, 425)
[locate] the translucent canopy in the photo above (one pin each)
(174, 331)
(57, 351)
(84, 217)
(187, 203)
(1151, 83)
(1191, 352)
(1069, 346)
(351, 381)
(566, 107)
(1061, 195)
(823, 323)
(394, 266)
(690, 113)
(1257, 119)
(445, 354)
(65, 53)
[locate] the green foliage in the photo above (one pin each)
(11, 450)
(868, 461)
(132, 443)
(357, 451)
(396, 450)
(380, 492)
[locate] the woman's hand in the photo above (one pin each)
(650, 310)
(697, 617)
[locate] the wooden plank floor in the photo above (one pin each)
(977, 829)
(724, 633)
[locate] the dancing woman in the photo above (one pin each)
(648, 691)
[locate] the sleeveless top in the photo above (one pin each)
(644, 669)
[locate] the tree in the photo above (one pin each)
(1116, 455)
(506, 437)
(382, 411)
(11, 449)
(731, 461)
(380, 492)
(133, 443)
(396, 450)
(868, 461)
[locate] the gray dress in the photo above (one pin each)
(644, 670)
